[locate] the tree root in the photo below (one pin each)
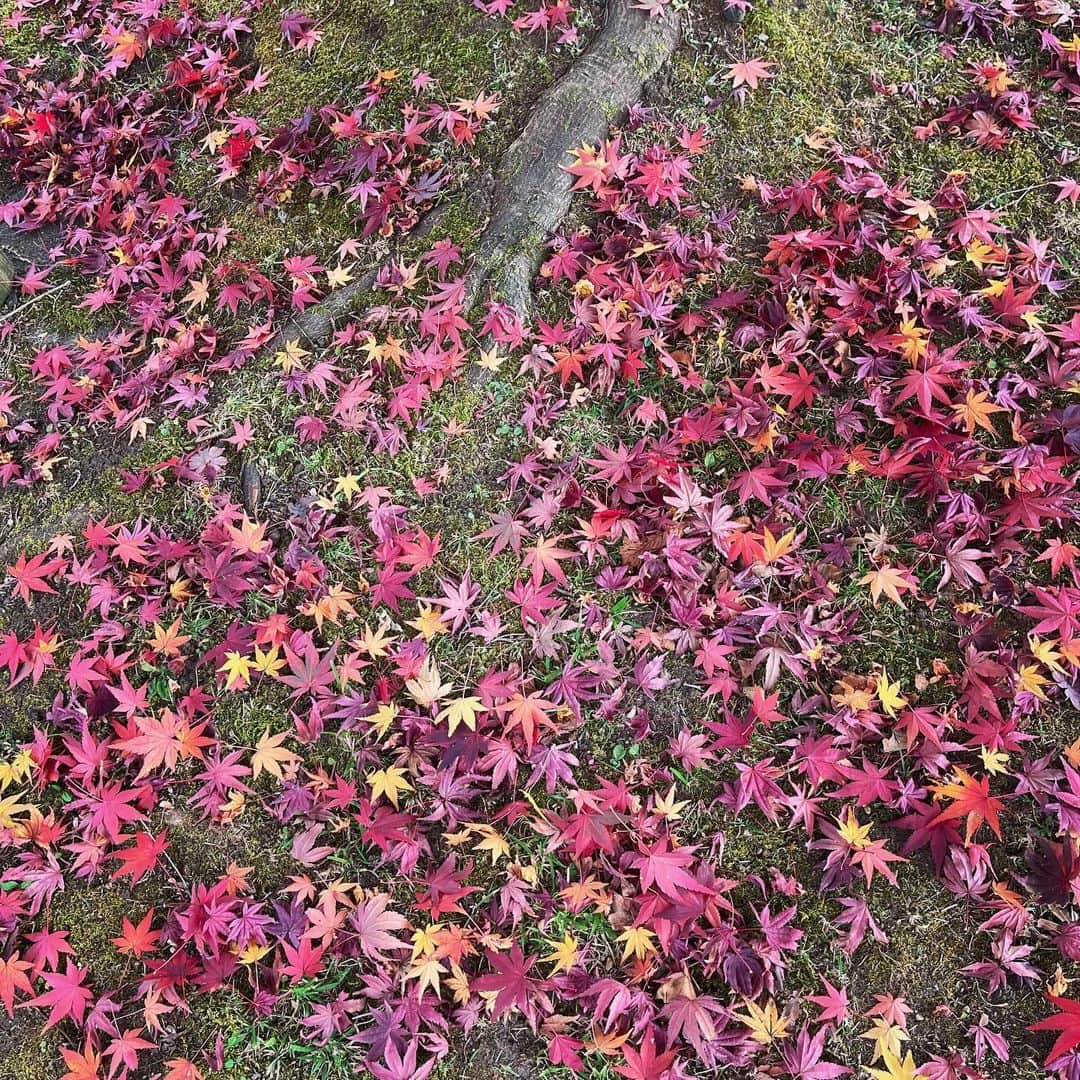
(531, 193)
(533, 190)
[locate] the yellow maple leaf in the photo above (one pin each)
(895, 1069)
(1046, 652)
(914, 344)
(374, 642)
(9, 807)
(390, 782)
(995, 761)
(889, 694)
(383, 717)
(667, 807)
(425, 942)
(237, 671)
(337, 276)
(490, 359)
(888, 1038)
(637, 941)
(429, 622)
(858, 836)
(426, 972)
(492, 842)
(766, 1024)
(269, 662)
(461, 711)
(563, 954)
(1029, 679)
(252, 953)
(774, 548)
(347, 485)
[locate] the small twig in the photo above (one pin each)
(35, 300)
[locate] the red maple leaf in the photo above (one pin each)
(139, 859)
(13, 977)
(136, 940)
(1067, 1022)
(30, 574)
(66, 995)
(510, 982)
(645, 1063)
(663, 868)
(303, 962)
(971, 799)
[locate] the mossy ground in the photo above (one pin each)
(826, 53)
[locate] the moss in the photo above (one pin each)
(93, 916)
(202, 851)
(240, 719)
(465, 52)
(826, 86)
(27, 1051)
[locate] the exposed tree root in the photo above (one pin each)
(532, 192)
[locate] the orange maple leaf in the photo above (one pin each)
(971, 799)
(975, 411)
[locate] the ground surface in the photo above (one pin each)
(845, 74)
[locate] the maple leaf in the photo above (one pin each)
(529, 712)
(664, 868)
(124, 1049)
(765, 1023)
(427, 971)
(749, 72)
(164, 741)
(1066, 1021)
(108, 808)
(169, 642)
(975, 411)
(971, 799)
(564, 954)
(591, 168)
(390, 782)
(427, 688)
(461, 711)
(888, 580)
(141, 858)
(137, 940)
(13, 977)
(372, 923)
(81, 1066)
(645, 1063)
(401, 1066)
(237, 670)
(510, 982)
(248, 538)
(637, 942)
(66, 995)
(29, 574)
(895, 1069)
(304, 961)
(544, 557)
(833, 1004)
(889, 694)
(182, 1069)
(270, 755)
